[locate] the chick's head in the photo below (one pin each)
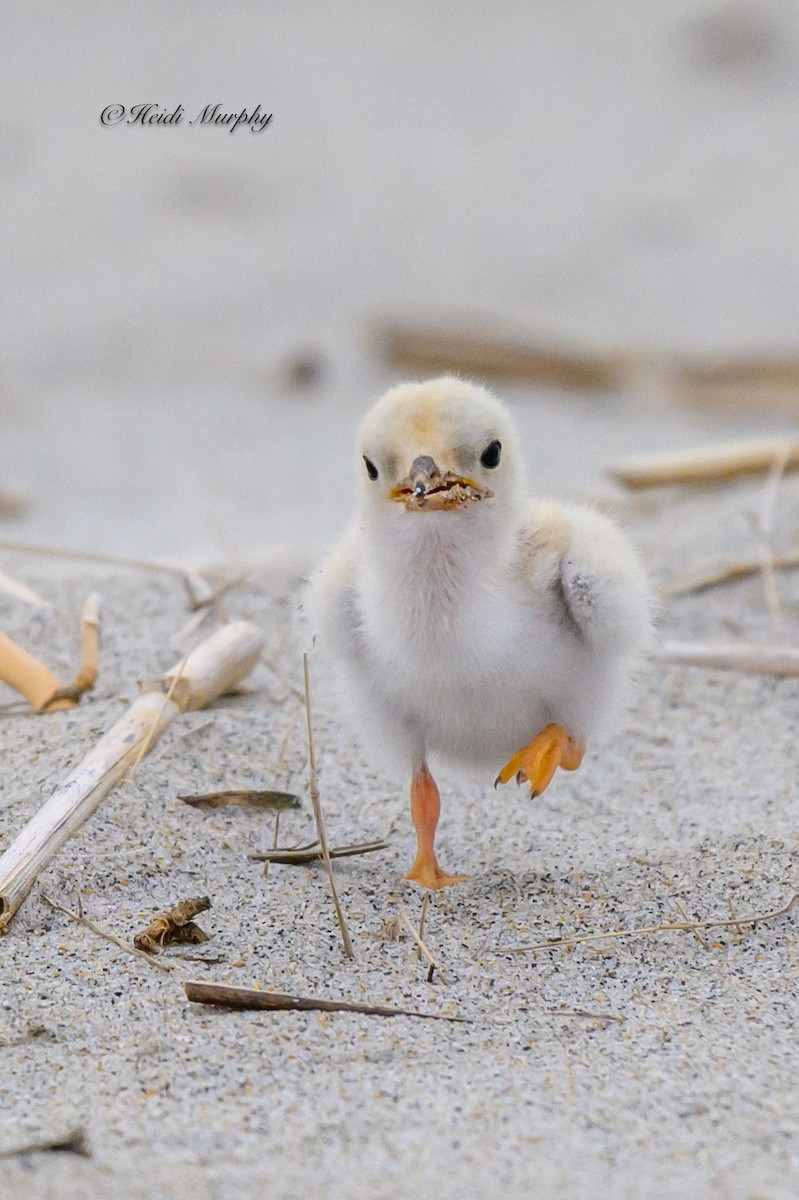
(436, 447)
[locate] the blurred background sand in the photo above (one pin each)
(615, 174)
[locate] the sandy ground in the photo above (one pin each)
(691, 1093)
(616, 173)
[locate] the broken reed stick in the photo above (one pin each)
(781, 662)
(671, 927)
(707, 464)
(229, 996)
(504, 354)
(275, 801)
(31, 678)
(319, 816)
(168, 925)
(37, 683)
(303, 855)
(218, 664)
(713, 574)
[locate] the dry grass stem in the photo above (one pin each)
(707, 464)
(106, 934)
(422, 917)
(253, 998)
(782, 662)
(243, 799)
(674, 927)
(713, 575)
(173, 924)
(197, 603)
(581, 1012)
(319, 817)
(113, 560)
(181, 737)
(423, 949)
(300, 856)
(696, 932)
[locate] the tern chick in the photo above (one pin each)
(468, 621)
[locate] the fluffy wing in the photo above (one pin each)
(581, 570)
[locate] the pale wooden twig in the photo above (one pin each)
(155, 729)
(106, 933)
(253, 998)
(708, 464)
(779, 661)
(216, 665)
(20, 591)
(319, 817)
(501, 352)
(673, 927)
(712, 575)
(766, 529)
(434, 963)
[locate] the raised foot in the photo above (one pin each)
(536, 763)
(428, 874)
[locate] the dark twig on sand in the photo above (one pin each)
(229, 996)
(243, 799)
(303, 855)
(73, 1142)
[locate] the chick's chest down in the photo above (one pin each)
(470, 654)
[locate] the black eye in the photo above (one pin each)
(490, 456)
(371, 469)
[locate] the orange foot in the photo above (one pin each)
(428, 874)
(553, 747)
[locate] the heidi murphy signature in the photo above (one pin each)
(212, 114)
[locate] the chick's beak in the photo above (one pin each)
(426, 487)
(423, 474)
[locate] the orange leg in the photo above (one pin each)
(553, 747)
(425, 810)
